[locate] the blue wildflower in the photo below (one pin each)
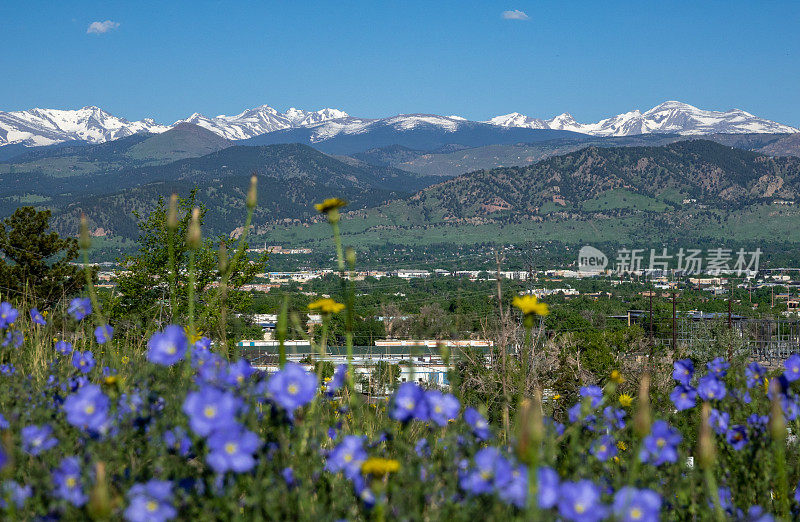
(292, 387)
(792, 365)
(409, 403)
(442, 407)
(580, 502)
(16, 493)
(103, 334)
(683, 371)
(754, 374)
(67, 478)
(14, 338)
(718, 367)
(150, 502)
(83, 361)
(210, 409)
(238, 372)
(178, 440)
(661, 445)
(87, 408)
(79, 308)
(737, 436)
(718, 420)
(347, 457)
(64, 347)
(36, 439)
(710, 388)
(8, 314)
(594, 393)
(604, 448)
(37, 317)
(231, 449)
(683, 397)
(479, 425)
(548, 487)
(614, 418)
(168, 346)
(337, 381)
(515, 491)
(636, 505)
(492, 471)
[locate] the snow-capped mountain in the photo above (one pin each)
(47, 126)
(670, 117)
(261, 120)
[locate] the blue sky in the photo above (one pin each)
(168, 59)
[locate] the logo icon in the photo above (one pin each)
(591, 260)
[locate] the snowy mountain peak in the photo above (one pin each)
(671, 117)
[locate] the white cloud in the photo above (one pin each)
(101, 27)
(516, 14)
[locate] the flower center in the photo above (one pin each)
(171, 349)
(579, 508)
(292, 389)
(89, 409)
(602, 448)
(438, 409)
(711, 394)
(210, 412)
(409, 405)
(152, 505)
(70, 482)
(660, 442)
(230, 448)
(636, 513)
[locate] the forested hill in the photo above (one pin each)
(616, 180)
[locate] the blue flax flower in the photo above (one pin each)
(604, 448)
(492, 472)
(87, 408)
(756, 514)
(614, 418)
(442, 407)
(754, 373)
(479, 425)
(710, 388)
(548, 487)
(14, 338)
(37, 317)
(238, 372)
(409, 403)
(36, 439)
(515, 491)
(103, 334)
(792, 365)
(337, 381)
(83, 361)
(150, 502)
(17, 494)
(210, 409)
(580, 502)
(67, 479)
(347, 457)
(718, 420)
(178, 440)
(683, 371)
(636, 505)
(292, 387)
(661, 445)
(737, 437)
(80, 307)
(684, 397)
(168, 346)
(718, 367)
(231, 449)
(595, 393)
(64, 347)
(8, 314)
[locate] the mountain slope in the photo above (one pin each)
(670, 117)
(416, 131)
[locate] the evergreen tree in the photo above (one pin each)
(37, 262)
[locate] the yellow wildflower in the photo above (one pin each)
(125, 359)
(326, 306)
(625, 400)
(111, 379)
(192, 338)
(617, 377)
(379, 467)
(621, 445)
(330, 205)
(556, 396)
(529, 305)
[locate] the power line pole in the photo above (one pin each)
(674, 310)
